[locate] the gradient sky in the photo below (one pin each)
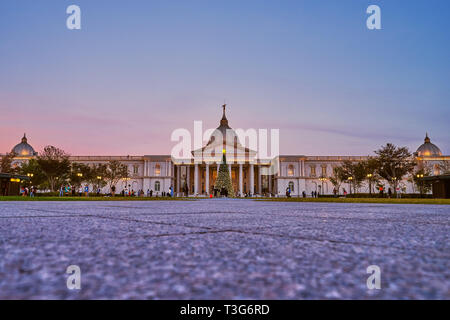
(140, 69)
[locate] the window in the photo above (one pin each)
(135, 169)
(291, 186)
(157, 186)
(291, 171)
(436, 170)
(157, 169)
(324, 171)
(313, 171)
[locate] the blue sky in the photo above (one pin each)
(137, 70)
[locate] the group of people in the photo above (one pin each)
(140, 193)
(73, 190)
(25, 191)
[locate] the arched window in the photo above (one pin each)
(291, 170)
(157, 186)
(157, 169)
(291, 186)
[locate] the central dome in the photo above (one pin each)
(427, 149)
(224, 132)
(23, 149)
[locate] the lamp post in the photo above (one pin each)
(350, 179)
(98, 182)
(322, 179)
(30, 175)
(369, 176)
(126, 179)
(419, 177)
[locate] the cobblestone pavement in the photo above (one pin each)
(223, 249)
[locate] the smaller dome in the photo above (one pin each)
(428, 149)
(23, 149)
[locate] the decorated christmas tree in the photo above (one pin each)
(223, 182)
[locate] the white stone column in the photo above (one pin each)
(196, 179)
(178, 178)
(259, 180)
(145, 168)
(241, 181)
(252, 179)
(229, 170)
(188, 177)
(207, 179)
(269, 178)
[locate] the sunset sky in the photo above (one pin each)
(137, 70)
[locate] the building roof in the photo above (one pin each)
(225, 134)
(428, 149)
(12, 175)
(23, 149)
(434, 178)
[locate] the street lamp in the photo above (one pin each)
(419, 177)
(369, 176)
(322, 179)
(79, 174)
(350, 179)
(30, 175)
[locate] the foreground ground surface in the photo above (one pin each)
(293, 199)
(223, 249)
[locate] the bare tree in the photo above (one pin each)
(444, 167)
(115, 172)
(338, 177)
(6, 163)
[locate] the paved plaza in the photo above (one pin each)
(223, 249)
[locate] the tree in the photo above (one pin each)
(114, 172)
(371, 174)
(338, 177)
(355, 173)
(97, 176)
(79, 173)
(6, 163)
(223, 181)
(417, 177)
(444, 167)
(55, 165)
(394, 163)
(34, 171)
